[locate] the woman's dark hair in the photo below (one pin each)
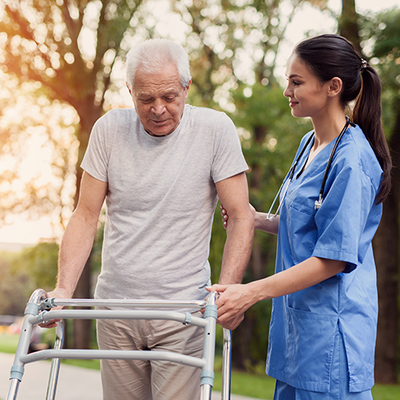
(330, 56)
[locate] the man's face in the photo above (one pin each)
(159, 99)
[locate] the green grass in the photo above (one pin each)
(257, 384)
(8, 343)
(251, 385)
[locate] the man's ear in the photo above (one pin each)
(187, 88)
(129, 89)
(335, 86)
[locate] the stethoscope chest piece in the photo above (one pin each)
(318, 203)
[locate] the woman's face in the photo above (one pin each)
(308, 96)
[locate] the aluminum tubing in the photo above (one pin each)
(226, 364)
(114, 354)
(54, 302)
(13, 389)
(17, 369)
(206, 391)
(55, 364)
(185, 318)
(207, 374)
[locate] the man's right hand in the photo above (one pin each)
(58, 294)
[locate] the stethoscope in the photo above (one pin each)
(290, 174)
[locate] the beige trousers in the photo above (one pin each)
(149, 380)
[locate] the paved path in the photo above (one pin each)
(74, 383)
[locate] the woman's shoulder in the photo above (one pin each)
(356, 152)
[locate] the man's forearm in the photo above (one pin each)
(75, 249)
(237, 250)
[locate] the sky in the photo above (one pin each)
(25, 231)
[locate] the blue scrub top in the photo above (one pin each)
(303, 324)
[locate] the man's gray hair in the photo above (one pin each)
(153, 55)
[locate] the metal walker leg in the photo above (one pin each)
(17, 370)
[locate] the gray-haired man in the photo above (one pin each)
(160, 167)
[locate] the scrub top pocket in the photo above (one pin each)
(303, 233)
(308, 358)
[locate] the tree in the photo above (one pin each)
(382, 31)
(69, 48)
(348, 24)
(41, 182)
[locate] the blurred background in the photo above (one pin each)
(62, 67)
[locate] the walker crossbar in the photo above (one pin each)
(46, 316)
(113, 355)
(49, 303)
(38, 311)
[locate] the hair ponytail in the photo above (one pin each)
(367, 113)
(333, 55)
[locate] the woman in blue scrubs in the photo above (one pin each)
(324, 317)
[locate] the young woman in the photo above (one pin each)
(323, 324)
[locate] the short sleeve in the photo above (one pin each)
(343, 219)
(228, 159)
(95, 161)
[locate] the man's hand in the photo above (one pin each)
(58, 294)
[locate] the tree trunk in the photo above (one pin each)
(386, 244)
(348, 24)
(386, 241)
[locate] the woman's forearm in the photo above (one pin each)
(301, 276)
(262, 223)
(234, 300)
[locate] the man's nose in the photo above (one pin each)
(158, 107)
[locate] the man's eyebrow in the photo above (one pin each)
(167, 93)
(144, 95)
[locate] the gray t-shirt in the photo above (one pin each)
(160, 201)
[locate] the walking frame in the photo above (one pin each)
(38, 310)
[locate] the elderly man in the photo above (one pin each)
(160, 167)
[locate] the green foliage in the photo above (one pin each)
(270, 139)
(13, 286)
(22, 273)
(381, 32)
(387, 49)
(40, 265)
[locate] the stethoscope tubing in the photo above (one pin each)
(290, 174)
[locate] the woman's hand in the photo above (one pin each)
(225, 215)
(232, 302)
